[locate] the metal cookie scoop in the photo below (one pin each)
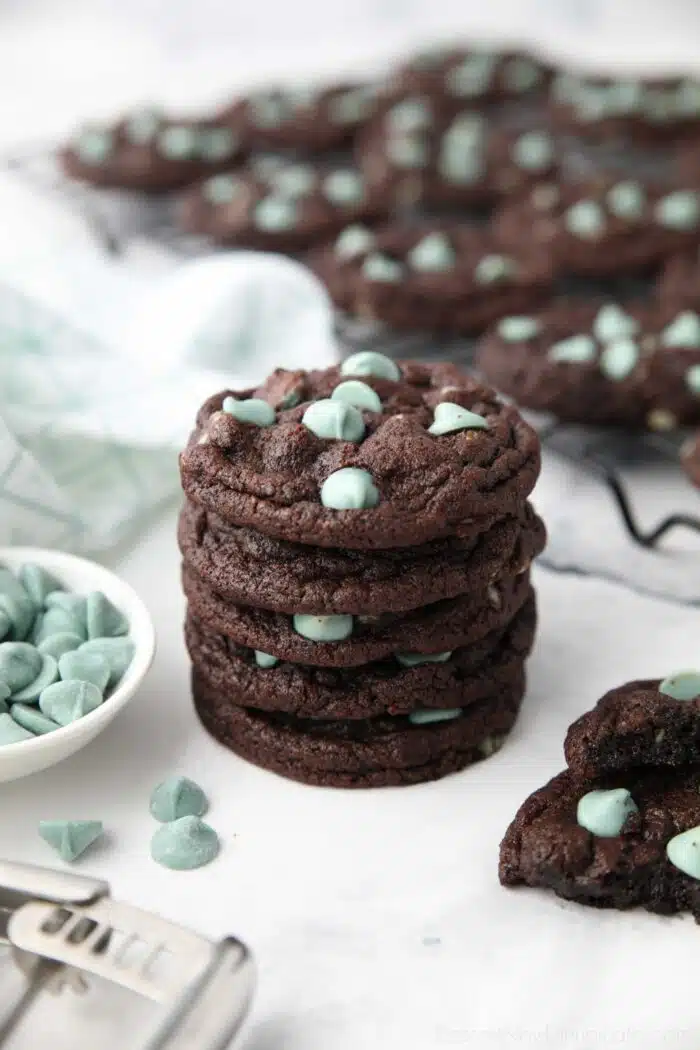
(63, 928)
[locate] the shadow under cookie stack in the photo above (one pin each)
(356, 550)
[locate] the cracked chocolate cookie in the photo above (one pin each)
(370, 455)
(600, 363)
(440, 276)
(280, 206)
(383, 751)
(151, 152)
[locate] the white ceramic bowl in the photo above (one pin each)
(81, 576)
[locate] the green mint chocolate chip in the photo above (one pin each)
(625, 97)
(178, 142)
(413, 114)
(275, 214)
(349, 489)
(5, 693)
(604, 813)
(679, 210)
(684, 852)
(682, 685)
(494, 268)
(592, 102)
(516, 329)
(294, 181)
(418, 659)
(688, 98)
(251, 410)
(521, 74)
(378, 267)
(323, 628)
(369, 363)
(334, 420)
(613, 323)
(268, 110)
(432, 254)
(472, 76)
(20, 664)
(71, 838)
(577, 349)
(215, 145)
(353, 241)
(449, 418)
(619, 358)
(658, 105)
(461, 158)
(684, 331)
(5, 624)
(344, 187)
(32, 720)
(57, 621)
(47, 675)
(585, 219)
(408, 151)
(142, 126)
(177, 797)
(118, 652)
(352, 106)
(427, 715)
(84, 667)
(692, 379)
(185, 844)
(37, 582)
(19, 609)
(355, 392)
(66, 702)
(94, 145)
(102, 617)
(626, 200)
(222, 189)
(265, 660)
(534, 151)
(11, 732)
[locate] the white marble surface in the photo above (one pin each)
(376, 917)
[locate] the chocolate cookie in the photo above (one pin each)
(690, 459)
(151, 152)
(418, 155)
(432, 454)
(678, 287)
(459, 76)
(246, 567)
(463, 677)
(279, 205)
(350, 641)
(653, 722)
(649, 111)
(382, 751)
(441, 277)
(605, 226)
(642, 851)
(599, 363)
(306, 118)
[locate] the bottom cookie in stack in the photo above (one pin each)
(364, 726)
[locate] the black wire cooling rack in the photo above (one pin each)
(117, 219)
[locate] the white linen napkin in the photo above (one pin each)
(103, 365)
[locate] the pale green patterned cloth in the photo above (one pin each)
(102, 368)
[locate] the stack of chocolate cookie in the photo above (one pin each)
(356, 551)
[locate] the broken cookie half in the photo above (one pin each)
(621, 826)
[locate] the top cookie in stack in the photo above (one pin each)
(356, 547)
